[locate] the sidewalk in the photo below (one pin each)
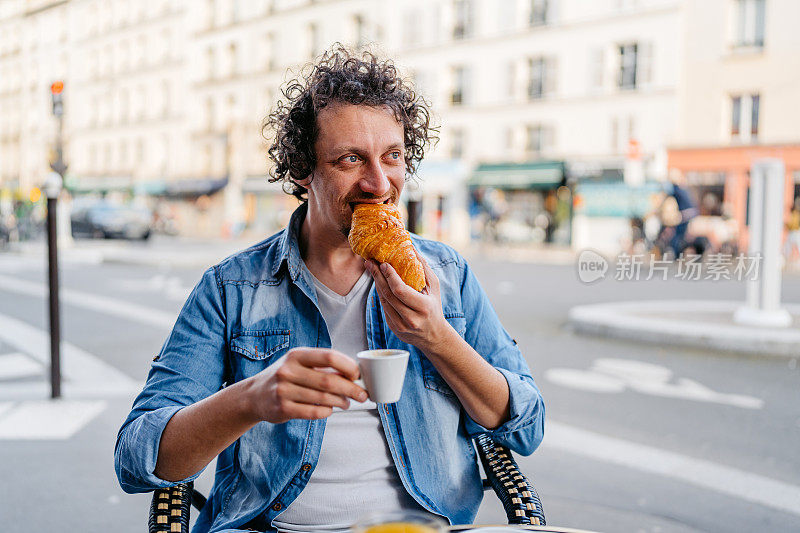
(697, 323)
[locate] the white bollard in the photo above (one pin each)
(765, 226)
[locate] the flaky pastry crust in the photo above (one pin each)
(377, 232)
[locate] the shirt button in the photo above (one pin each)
(277, 507)
(307, 467)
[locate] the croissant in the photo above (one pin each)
(377, 232)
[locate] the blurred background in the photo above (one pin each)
(560, 119)
(564, 125)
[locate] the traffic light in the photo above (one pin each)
(56, 89)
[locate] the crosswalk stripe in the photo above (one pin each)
(93, 302)
(47, 419)
(18, 365)
(79, 368)
(719, 478)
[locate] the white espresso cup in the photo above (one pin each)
(383, 373)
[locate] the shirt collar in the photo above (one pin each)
(289, 246)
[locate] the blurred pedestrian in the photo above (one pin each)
(675, 212)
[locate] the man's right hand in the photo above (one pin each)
(299, 385)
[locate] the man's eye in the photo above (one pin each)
(351, 159)
(395, 155)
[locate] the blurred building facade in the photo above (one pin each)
(738, 102)
(555, 115)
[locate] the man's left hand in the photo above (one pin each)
(415, 317)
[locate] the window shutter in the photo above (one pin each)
(645, 66)
(597, 68)
(551, 76)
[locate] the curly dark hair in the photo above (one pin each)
(341, 76)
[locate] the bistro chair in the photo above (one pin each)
(169, 511)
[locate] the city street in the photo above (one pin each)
(638, 437)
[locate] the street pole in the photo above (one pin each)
(52, 270)
(52, 189)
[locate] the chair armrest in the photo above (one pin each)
(169, 510)
(520, 500)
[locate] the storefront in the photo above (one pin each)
(725, 171)
(436, 201)
(267, 208)
(606, 211)
(521, 203)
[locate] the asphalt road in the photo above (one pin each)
(709, 444)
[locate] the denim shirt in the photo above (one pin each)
(246, 313)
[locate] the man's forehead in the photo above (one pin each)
(347, 124)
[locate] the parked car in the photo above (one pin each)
(109, 221)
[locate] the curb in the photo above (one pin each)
(704, 324)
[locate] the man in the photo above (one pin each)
(246, 374)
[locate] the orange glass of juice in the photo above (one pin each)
(400, 522)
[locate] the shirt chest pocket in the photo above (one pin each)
(253, 351)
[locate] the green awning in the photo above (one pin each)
(95, 184)
(531, 175)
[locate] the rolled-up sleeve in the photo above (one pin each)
(189, 367)
(524, 430)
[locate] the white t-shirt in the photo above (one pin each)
(355, 474)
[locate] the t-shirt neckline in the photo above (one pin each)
(330, 293)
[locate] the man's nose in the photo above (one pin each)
(375, 181)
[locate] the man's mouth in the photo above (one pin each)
(354, 204)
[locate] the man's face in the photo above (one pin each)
(360, 159)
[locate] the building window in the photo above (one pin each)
(509, 141)
(457, 144)
(412, 28)
(232, 111)
(750, 23)
(535, 140)
(736, 115)
(211, 13)
(460, 84)
(538, 139)
(462, 27)
(538, 13)
(166, 46)
(615, 136)
(360, 30)
(233, 60)
(211, 61)
(269, 52)
(597, 68)
(140, 153)
(511, 80)
(627, 66)
(541, 77)
(755, 101)
(507, 17)
(124, 107)
(744, 117)
(123, 156)
(237, 11)
(313, 40)
(210, 118)
(107, 161)
(166, 96)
